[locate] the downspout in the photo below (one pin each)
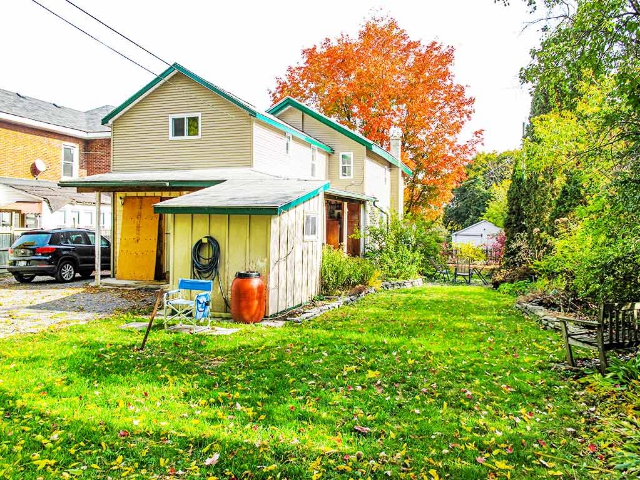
(385, 213)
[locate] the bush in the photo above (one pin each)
(341, 272)
(402, 248)
(516, 289)
(467, 251)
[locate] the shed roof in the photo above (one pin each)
(19, 105)
(244, 105)
(272, 196)
(55, 196)
(475, 225)
(290, 102)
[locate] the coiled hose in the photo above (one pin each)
(205, 262)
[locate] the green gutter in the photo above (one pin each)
(356, 137)
(139, 183)
(294, 132)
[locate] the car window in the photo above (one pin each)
(61, 238)
(32, 240)
(78, 238)
(92, 240)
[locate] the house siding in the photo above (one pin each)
(141, 135)
(269, 154)
(378, 182)
(339, 143)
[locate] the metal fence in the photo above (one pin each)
(493, 255)
(6, 239)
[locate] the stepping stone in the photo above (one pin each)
(135, 325)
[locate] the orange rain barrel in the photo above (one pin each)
(247, 297)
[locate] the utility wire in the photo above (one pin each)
(96, 39)
(117, 32)
(162, 79)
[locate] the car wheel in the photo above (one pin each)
(23, 278)
(86, 273)
(66, 272)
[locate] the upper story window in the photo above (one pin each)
(314, 161)
(184, 126)
(346, 165)
(69, 161)
(287, 143)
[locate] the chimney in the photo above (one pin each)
(395, 139)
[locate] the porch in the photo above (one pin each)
(346, 214)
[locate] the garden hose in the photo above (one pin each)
(204, 265)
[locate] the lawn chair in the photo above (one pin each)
(441, 270)
(463, 270)
(178, 304)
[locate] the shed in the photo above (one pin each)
(481, 234)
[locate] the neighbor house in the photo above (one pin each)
(480, 234)
(42, 143)
(190, 160)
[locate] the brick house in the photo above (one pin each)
(69, 143)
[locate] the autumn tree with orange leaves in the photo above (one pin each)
(382, 79)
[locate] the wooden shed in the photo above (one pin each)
(273, 226)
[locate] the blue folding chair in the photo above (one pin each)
(179, 304)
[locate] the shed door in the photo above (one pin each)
(138, 239)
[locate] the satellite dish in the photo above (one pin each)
(37, 168)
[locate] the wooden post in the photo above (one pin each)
(345, 226)
(98, 242)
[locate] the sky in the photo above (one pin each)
(243, 46)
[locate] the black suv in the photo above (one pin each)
(59, 253)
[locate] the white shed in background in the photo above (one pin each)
(482, 233)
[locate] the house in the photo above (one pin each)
(191, 160)
(42, 143)
(480, 234)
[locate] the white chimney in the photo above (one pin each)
(395, 139)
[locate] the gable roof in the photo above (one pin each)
(237, 101)
(475, 225)
(14, 104)
(290, 102)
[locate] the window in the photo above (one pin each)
(69, 161)
(103, 219)
(310, 226)
(346, 165)
(75, 218)
(184, 126)
(92, 240)
(88, 218)
(314, 161)
(287, 143)
(5, 219)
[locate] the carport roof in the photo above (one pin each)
(268, 196)
(163, 178)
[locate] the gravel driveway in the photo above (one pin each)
(28, 308)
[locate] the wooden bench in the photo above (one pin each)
(615, 329)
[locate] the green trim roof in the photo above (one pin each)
(351, 195)
(245, 197)
(247, 107)
(288, 102)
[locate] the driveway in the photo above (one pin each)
(30, 307)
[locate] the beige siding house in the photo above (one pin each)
(191, 161)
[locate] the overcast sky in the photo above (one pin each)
(242, 46)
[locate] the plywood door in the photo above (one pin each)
(353, 224)
(138, 239)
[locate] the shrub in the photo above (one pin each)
(516, 289)
(401, 248)
(341, 272)
(467, 251)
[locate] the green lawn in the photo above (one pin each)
(437, 382)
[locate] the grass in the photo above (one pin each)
(437, 382)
